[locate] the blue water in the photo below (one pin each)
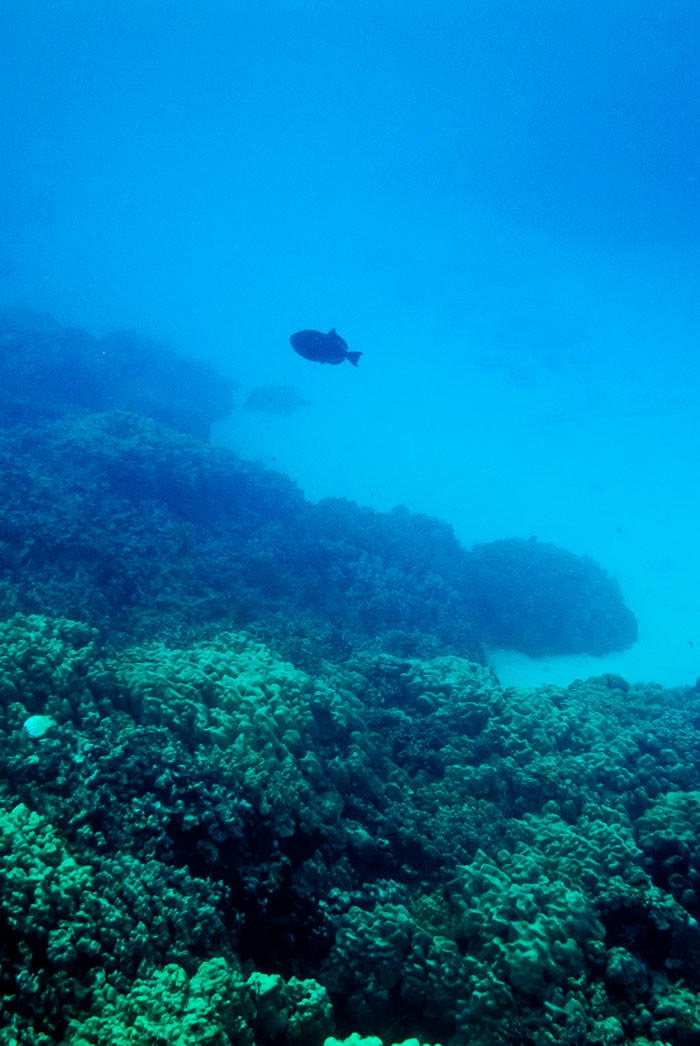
(497, 203)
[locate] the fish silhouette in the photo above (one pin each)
(323, 348)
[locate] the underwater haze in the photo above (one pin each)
(495, 202)
(349, 573)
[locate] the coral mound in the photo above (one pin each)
(48, 370)
(535, 597)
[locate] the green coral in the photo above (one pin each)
(370, 1040)
(478, 864)
(67, 923)
(215, 1006)
(47, 667)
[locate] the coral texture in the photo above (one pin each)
(213, 839)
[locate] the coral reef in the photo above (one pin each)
(211, 838)
(115, 512)
(48, 370)
(533, 596)
(216, 1006)
(259, 787)
(150, 532)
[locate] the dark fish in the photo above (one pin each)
(323, 348)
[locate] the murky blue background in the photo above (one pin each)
(497, 203)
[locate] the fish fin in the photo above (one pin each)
(332, 331)
(354, 357)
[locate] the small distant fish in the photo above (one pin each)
(323, 348)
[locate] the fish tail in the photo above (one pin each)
(354, 357)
